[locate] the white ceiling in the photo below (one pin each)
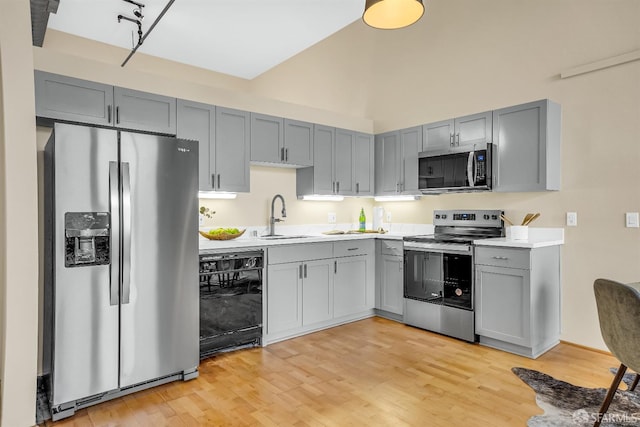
(243, 38)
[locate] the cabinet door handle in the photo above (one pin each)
(117, 115)
(213, 181)
(458, 138)
(282, 154)
(357, 188)
(352, 249)
(108, 113)
(218, 181)
(300, 271)
(504, 258)
(335, 267)
(397, 187)
(337, 186)
(286, 154)
(451, 143)
(305, 271)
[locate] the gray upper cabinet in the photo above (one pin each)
(343, 160)
(144, 111)
(342, 164)
(396, 160)
(267, 138)
(81, 101)
(387, 161)
(223, 136)
(363, 164)
(298, 143)
(232, 149)
(411, 145)
(198, 121)
(74, 100)
(277, 141)
(458, 134)
(527, 153)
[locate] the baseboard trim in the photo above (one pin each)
(584, 347)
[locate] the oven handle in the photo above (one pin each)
(438, 250)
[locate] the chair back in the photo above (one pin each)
(619, 315)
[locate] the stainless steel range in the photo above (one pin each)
(439, 271)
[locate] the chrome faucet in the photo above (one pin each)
(272, 218)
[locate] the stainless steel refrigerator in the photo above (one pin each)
(121, 251)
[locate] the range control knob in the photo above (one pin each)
(444, 216)
(494, 216)
(486, 216)
(437, 216)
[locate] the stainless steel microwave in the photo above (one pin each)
(455, 172)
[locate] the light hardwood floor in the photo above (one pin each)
(374, 372)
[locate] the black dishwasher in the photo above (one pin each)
(230, 301)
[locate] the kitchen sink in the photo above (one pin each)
(282, 236)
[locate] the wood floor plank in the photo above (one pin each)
(374, 372)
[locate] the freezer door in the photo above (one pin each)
(160, 306)
(85, 318)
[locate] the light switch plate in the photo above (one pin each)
(331, 217)
(632, 220)
(388, 216)
(572, 219)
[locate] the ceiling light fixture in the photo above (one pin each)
(392, 14)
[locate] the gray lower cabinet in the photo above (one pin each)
(223, 136)
(317, 285)
(75, 100)
(518, 299)
(396, 161)
(389, 279)
(458, 133)
(527, 147)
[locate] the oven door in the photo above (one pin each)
(458, 280)
(439, 274)
(423, 279)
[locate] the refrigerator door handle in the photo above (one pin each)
(114, 249)
(126, 233)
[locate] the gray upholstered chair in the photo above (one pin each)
(619, 315)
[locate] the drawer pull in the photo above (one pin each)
(352, 249)
(504, 258)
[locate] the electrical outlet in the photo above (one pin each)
(388, 216)
(331, 217)
(200, 219)
(572, 219)
(632, 220)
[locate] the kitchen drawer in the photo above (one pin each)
(302, 252)
(392, 247)
(353, 247)
(504, 257)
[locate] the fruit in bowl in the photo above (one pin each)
(222, 233)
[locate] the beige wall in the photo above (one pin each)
(468, 56)
(464, 56)
(18, 220)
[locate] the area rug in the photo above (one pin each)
(567, 405)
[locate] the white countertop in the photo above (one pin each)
(538, 238)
